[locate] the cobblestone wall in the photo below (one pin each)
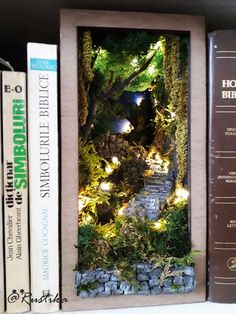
(101, 283)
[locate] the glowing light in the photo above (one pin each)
(105, 186)
(138, 100)
(88, 218)
(182, 193)
(115, 160)
(160, 225)
(134, 62)
(108, 169)
(151, 69)
(83, 202)
(126, 127)
(122, 209)
(157, 45)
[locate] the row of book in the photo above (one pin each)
(29, 263)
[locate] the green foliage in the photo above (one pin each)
(117, 57)
(176, 85)
(123, 241)
(85, 75)
(147, 79)
(91, 166)
(128, 240)
(91, 171)
(176, 230)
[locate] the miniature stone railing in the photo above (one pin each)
(101, 283)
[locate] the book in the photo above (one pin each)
(15, 190)
(43, 175)
(222, 169)
(2, 288)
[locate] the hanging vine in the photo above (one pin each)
(85, 75)
(176, 85)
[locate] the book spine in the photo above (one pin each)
(2, 288)
(222, 167)
(15, 190)
(43, 174)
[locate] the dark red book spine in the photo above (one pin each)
(222, 167)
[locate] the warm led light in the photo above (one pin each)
(182, 193)
(151, 69)
(134, 62)
(105, 186)
(160, 225)
(108, 169)
(115, 160)
(121, 211)
(83, 202)
(88, 218)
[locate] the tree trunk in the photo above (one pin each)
(86, 129)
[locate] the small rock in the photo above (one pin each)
(156, 290)
(144, 292)
(188, 270)
(154, 282)
(88, 277)
(84, 294)
(124, 286)
(112, 285)
(181, 289)
(100, 288)
(169, 290)
(140, 267)
(155, 273)
(93, 293)
(78, 278)
(114, 278)
(113, 138)
(188, 281)
(167, 282)
(142, 276)
(103, 277)
(104, 293)
(178, 280)
(188, 289)
(144, 286)
(117, 292)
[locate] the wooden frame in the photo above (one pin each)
(70, 21)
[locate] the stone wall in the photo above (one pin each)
(101, 283)
(113, 145)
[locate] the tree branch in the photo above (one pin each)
(120, 87)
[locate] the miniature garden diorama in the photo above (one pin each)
(133, 200)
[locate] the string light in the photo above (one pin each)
(105, 186)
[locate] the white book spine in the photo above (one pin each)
(1, 228)
(15, 191)
(43, 175)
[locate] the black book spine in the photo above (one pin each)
(222, 167)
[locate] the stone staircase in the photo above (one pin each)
(152, 198)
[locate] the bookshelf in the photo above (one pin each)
(40, 27)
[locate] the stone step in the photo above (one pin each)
(155, 182)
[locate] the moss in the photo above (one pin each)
(87, 56)
(85, 74)
(176, 84)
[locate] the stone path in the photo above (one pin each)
(152, 198)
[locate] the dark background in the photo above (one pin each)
(22, 21)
